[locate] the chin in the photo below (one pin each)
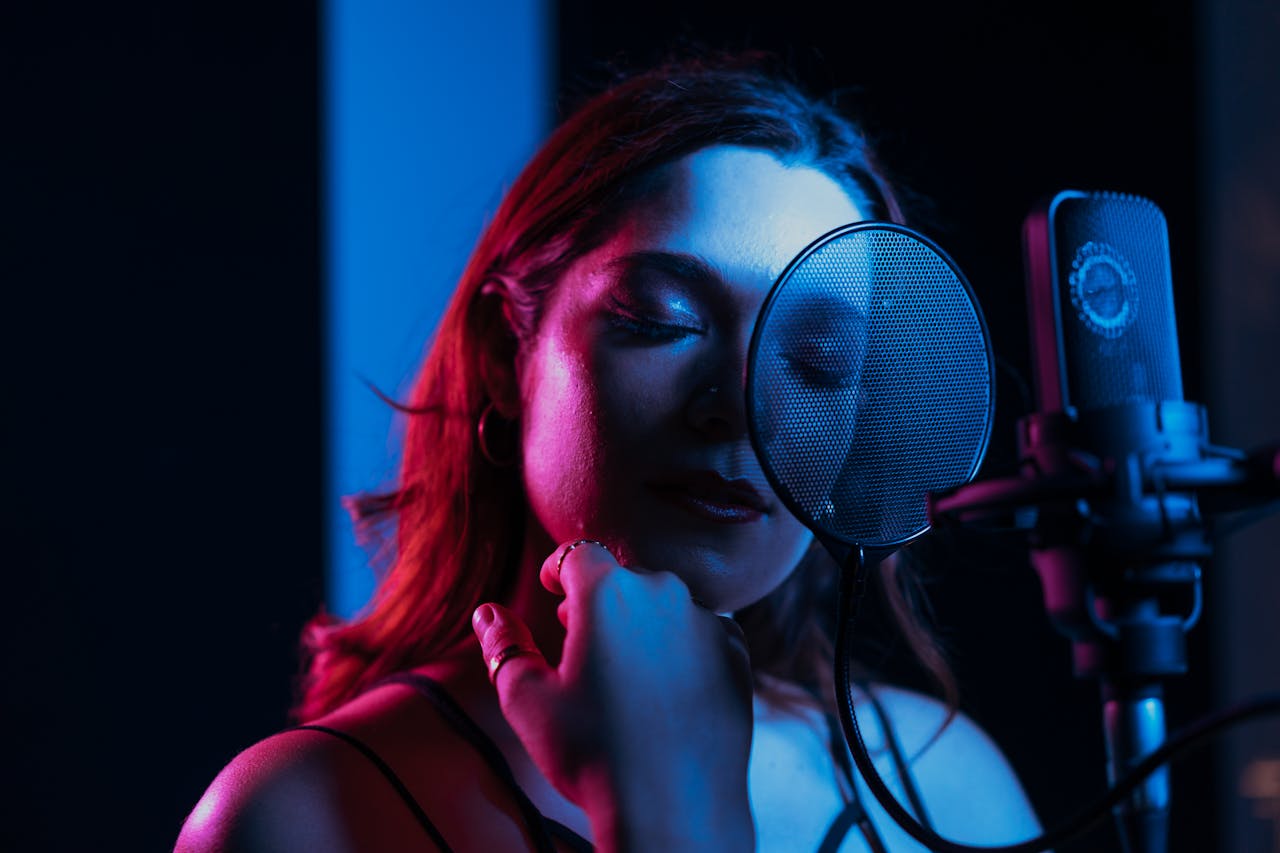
(725, 585)
(724, 576)
(728, 598)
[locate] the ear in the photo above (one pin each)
(499, 349)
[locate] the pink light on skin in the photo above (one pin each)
(632, 393)
(203, 814)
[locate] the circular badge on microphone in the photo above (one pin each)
(1104, 290)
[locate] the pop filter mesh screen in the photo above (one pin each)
(869, 383)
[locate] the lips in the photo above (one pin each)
(708, 495)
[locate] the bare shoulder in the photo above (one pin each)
(970, 790)
(280, 793)
(303, 790)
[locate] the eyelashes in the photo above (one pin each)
(638, 322)
(830, 362)
(826, 359)
(816, 366)
(649, 329)
(818, 363)
(830, 375)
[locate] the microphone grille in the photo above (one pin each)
(1115, 300)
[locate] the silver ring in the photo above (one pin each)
(565, 552)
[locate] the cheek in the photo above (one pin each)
(561, 443)
(638, 397)
(593, 424)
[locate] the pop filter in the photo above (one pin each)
(869, 385)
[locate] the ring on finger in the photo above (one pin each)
(565, 552)
(514, 650)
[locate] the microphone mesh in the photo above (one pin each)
(1116, 301)
(869, 383)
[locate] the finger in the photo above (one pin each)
(576, 566)
(516, 666)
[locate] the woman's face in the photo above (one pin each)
(633, 418)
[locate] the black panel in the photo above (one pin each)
(163, 463)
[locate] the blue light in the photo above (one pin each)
(431, 109)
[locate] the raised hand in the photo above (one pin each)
(646, 722)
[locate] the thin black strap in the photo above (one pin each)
(376, 761)
(539, 826)
(853, 813)
(840, 827)
(572, 840)
(900, 761)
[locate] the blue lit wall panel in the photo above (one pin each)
(431, 109)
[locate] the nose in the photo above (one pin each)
(719, 411)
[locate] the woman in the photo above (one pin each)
(578, 500)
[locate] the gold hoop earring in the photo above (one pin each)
(486, 432)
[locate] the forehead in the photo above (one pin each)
(742, 210)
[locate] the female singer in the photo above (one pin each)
(549, 657)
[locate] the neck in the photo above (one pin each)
(462, 667)
(530, 600)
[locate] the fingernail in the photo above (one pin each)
(483, 617)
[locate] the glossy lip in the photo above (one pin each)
(709, 495)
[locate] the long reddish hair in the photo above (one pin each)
(457, 518)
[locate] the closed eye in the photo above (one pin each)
(823, 376)
(649, 330)
(825, 365)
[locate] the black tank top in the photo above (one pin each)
(545, 831)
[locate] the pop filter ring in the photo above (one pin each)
(839, 546)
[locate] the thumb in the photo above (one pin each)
(516, 665)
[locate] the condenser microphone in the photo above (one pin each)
(1113, 460)
(1111, 417)
(1116, 477)
(1108, 379)
(1114, 561)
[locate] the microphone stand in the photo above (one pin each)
(1120, 569)
(1125, 639)
(1118, 554)
(1117, 537)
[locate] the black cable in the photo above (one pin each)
(1078, 824)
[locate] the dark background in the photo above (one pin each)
(163, 402)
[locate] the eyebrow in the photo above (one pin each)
(687, 268)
